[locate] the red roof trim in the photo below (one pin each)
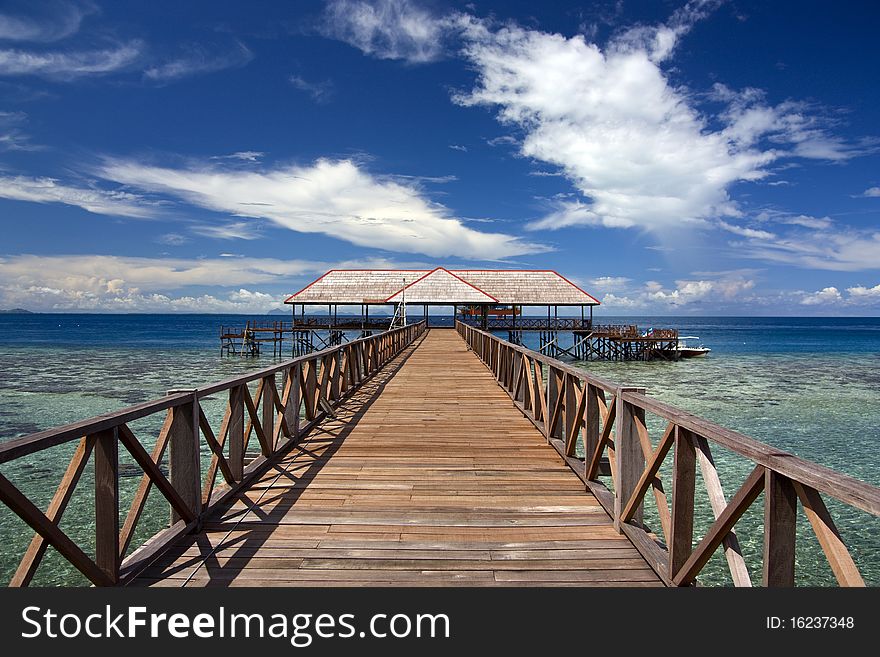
(598, 303)
(327, 273)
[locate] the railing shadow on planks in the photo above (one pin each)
(311, 385)
(573, 410)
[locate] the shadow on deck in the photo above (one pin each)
(427, 476)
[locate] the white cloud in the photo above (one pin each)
(48, 190)
(746, 232)
(69, 65)
(62, 19)
(827, 295)
(136, 284)
(636, 146)
(387, 29)
(458, 147)
(244, 156)
(818, 223)
(620, 132)
(503, 140)
(333, 197)
(172, 239)
(871, 192)
(862, 294)
(609, 283)
(12, 137)
(654, 296)
(840, 249)
(320, 92)
(238, 230)
(197, 60)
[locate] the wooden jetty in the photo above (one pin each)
(428, 457)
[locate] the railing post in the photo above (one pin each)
(294, 400)
(569, 418)
(591, 420)
(184, 462)
(780, 519)
(630, 459)
(684, 472)
(554, 393)
(268, 401)
(106, 453)
(236, 432)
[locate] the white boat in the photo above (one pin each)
(690, 346)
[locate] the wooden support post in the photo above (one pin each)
(684, 472)
(184, 464)
(106, 453)
(630, 459)
(571, 407)
(236, 432)
(268, 402)
(591, 420)
(780, 516)
(554, 396)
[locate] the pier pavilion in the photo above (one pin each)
(489, 298)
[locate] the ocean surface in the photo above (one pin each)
(810, 386)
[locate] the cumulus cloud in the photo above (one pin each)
(628, 140)
(60, 20)
(69, 65)
(197, 60)
(862, 294)
(640, 150)
(139, 284)
(387, 29)
(116, 203)
(655, 296)
(827, 295)
(333, 197)
(871, 192)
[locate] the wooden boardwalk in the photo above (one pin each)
(428, 476)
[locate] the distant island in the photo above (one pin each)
(15, 311)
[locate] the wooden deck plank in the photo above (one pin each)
(429, 476)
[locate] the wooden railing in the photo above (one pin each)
(310, 386)
(580, 412)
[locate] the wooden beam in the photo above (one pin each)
(683, 484)
(732, 551)
(740, 503)
(649, 474)
(839, 558)
(37, 520)
(630, 457)
(106, 452)
(236, 432)
(37, 548)
(180, 507)
(143, 490)
(780, 526)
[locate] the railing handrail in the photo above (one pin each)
(311, 386)
(571, 401)
(35, 442)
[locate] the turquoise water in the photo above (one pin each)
(809, 386)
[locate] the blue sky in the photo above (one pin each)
(670, 157)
